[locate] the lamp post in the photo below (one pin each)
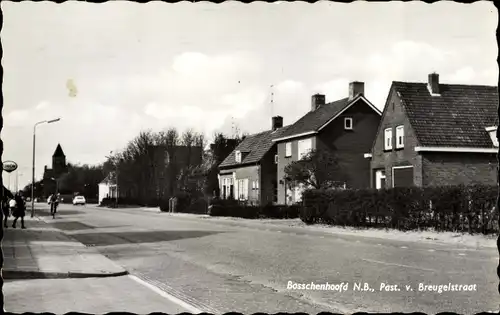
(33, 166)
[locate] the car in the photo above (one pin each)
(79, 200)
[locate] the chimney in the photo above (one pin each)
(277, 122)
(356, 88)
(433, 83)
(317, 101)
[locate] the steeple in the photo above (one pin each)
(59, 151)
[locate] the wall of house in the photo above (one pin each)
(392, 117)
(441, 169)
(250, 172)
(268, 182)
(349, 146)
(283, 161)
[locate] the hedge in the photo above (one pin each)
(450, 208)
(232, 208)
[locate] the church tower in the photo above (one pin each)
(58, 161)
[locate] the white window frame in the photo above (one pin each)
(288, 149)
(301, 151)
(348, 119)
(276, 159)
(379, 175)
(257, 184)
(400, 134)
(388, 139)
(237, 156)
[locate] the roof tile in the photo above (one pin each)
(456, 118)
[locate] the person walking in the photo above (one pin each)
(19, 211)
(7, 195)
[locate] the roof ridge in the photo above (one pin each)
(449, 84)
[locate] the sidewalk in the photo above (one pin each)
(41, 262)
(41, 252)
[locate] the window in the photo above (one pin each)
(305, 146)
(276, 159)
(388, 139)
(348, 123)
(256, 184)
(253, 185)
(400, 137)
(288, 149)
(237, 156)
(242, 189)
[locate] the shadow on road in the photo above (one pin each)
(120, 238)
(46, 213)
(71, 226)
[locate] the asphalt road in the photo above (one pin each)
(222, 267)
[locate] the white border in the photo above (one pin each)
(398, 167)
(456, 149)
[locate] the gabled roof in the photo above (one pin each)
(109, 180)
(314, 121)
(58, 152)
(253, 148)
(456, 118)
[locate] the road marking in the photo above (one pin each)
(461, 254)
(404, 247)
(397, 265)
(379, 244)
(164, 294)
(357, 241)
(279, 231)
(432, 250)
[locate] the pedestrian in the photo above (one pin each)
(7, 195)
(20, 210)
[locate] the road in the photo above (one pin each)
(219, 268)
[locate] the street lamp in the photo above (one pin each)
(33, 166)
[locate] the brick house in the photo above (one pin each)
(345, 127)
(435, 134)
(249, 172)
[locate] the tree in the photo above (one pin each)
(317, 169)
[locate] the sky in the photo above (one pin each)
(113, 69)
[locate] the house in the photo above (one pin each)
(249, 172)
(435, 134)
(52, 175)
(107, 188)
(346, 128)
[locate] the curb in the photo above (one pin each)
(25, 275)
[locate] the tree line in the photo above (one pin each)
(147, 170)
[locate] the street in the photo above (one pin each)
(221, 268)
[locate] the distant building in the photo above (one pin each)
(51, 175)
(107, 188)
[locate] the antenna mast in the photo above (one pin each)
(272, 101)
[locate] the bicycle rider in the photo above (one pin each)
(54, 202)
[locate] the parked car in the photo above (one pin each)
(79, 200)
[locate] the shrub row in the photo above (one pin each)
(449, 208)
(232, 208)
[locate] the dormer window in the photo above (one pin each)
(237, 156)
(348, 123)
(493, 135)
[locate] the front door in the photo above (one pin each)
(380, 179)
